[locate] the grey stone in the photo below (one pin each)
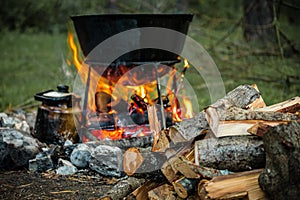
(42, 162)
(9, 121)
(107, 160)
(81, 155)
(66, 168)
(23, 126)
(3, 115)
(16, 148)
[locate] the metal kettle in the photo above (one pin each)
(57, 116)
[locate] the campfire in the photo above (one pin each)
(118, 97)
(135, 128)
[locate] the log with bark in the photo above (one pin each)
(185, 187)
(237, 153)
(223, 117)
(242, 185)
(289, 106)
(165, 191)
(168, 169)
(141, 162)
(280, 178)
(123, 188)
(244, 97)
(141, 193)
(190, 170)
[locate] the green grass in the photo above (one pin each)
(32, 62)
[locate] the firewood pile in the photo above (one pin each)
(236, 148)
(231, 150)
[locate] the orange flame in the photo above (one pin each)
(76, 58)
(188, 108)
(108, 134)
(175, 114)
(97, 82)
(146, 91)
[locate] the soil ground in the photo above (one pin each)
(23, 184)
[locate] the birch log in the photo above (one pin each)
(241, 97)
(238, 153)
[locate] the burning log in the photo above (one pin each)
(238, 153)
(123, 188)
(242, 185)
(143, 142)
(141, 162)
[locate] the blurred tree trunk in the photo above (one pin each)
(112, 7)
(182, 6)
(258, 21)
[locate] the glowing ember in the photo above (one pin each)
(137, 92)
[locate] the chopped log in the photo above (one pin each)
(259, 129)
(289, 106)
(280, 178)
(185, 187)
(258, 102)
(243, 96)
(141, 193)
(218, 115)
(162, 192)
(233, 113)
(234, 186)
(241, 127)
(201, 190)
(187, 130)
(123, 188)
(161, 144)
(155, 126)
(190, 170)
(168, 169)
(238, 153)
(140, 162)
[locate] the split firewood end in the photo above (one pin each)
(141, 193)
(185, 187)
(238, 185)
(165, 191)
